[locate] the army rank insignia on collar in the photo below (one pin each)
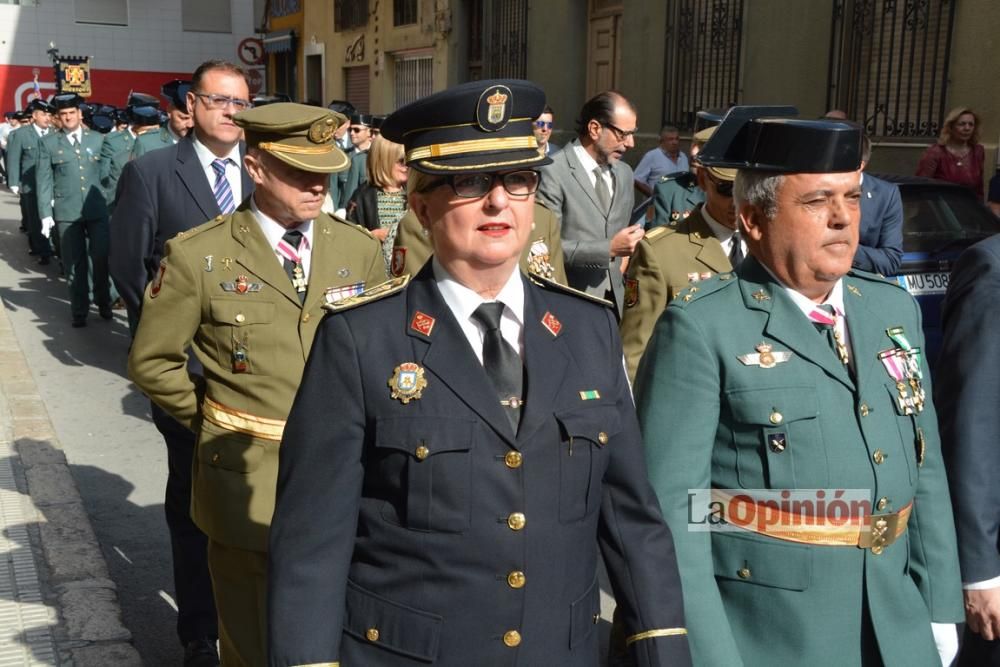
(761, 295)
(241, 286)
(550, 322)
(765, 357)
(422, 323)
(407, 382)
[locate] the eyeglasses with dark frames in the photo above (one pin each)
(222, 101)
(473, 186)
(620, 133)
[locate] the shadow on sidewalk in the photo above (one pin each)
(82, 559)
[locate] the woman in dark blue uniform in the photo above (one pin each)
(464, 444)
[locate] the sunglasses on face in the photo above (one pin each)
(473, 186)
(543, 124)
(357, 129)
(724, 188)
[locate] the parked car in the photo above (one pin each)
(940, 220)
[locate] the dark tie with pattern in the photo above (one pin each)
(291, 260)
(501, 361)
(736, 251)
(824, 318)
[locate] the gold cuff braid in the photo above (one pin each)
(651, 634)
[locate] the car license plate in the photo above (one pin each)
(917, 284)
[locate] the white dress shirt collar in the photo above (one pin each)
(206, 157)
(76, 136)
(590, 164)
(462, 302)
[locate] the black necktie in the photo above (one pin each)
(736, 251)
(501, 361)
(293, 238)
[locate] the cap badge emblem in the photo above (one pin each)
(322, 131)
(494, 108)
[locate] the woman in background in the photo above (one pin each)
(957, 156)
(381, 202)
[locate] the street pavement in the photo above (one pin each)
(100, 423)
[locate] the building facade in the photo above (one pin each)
(132, 44)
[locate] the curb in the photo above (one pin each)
(59, 605)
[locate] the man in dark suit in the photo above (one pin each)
(425, 519)
(590, 189)
(880, 246)
(967, 394)
(161, 194)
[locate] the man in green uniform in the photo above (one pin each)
(71, 199)
(669, 259)
(178, 123)
(361, 136)
(23, 145)
(245, 292)
(789, 430)
(543, 256)
(677, 195)
(140, 112)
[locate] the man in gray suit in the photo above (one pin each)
(589, 189)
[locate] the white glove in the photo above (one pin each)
(946, 639)
(15, 189)
(47, 225)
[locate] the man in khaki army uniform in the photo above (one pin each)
(543, 256)
(669, 259)
(246, 292)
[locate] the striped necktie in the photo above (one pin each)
(290, 248)
(223, 193)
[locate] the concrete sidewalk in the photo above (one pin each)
(58, 605)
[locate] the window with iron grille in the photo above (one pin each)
(285, 7)
(350, 14)
(414, 78)
(498, 39)
(889, 64)
(404, 12)
(702, 59)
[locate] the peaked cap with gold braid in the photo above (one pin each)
(297, 134)
(480, 126)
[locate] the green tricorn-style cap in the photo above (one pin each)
(297, 134)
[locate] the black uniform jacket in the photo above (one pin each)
(430, 534)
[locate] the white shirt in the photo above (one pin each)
(835, 299)
(233, 168)
(39, 131)
(590, 164)
(657, 163)
(273, 231)
(723, 233)
(463, 302)
(76, 136)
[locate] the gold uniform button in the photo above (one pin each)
(878, 456)
(512, 638)
(516, 579)
(513, 460)
(744, 573)
(305, 318)
(882, 503)
(516, 521)
(241, 318)
(865, 409)
(602, 438)
(776, 417)
(371, 634)
(215, 458)
(877, 550)
(422, 453)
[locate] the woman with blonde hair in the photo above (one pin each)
(381, 202)
(957, 156)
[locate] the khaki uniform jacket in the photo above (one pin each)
(253, 345)
(542, 256)
(666, 260)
